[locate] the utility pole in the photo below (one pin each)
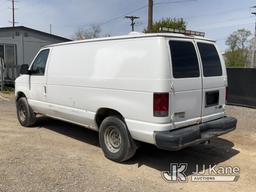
(253, 42)
(13, 8)
(132, 18)
(150, 15)
(50, 28)
(13, 13)
(13, 22)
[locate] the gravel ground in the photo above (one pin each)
(59, 156)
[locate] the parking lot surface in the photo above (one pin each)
(59, 156)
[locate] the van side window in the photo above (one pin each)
(210, 60)
(38, 67)
(184, 59)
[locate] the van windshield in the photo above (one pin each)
(210, 60)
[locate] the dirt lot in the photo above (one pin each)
(58, 156)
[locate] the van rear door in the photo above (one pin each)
(214, 81)
(186, 83)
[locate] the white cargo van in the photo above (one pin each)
(166, 89)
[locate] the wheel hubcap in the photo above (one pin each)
(112, 138)
(22, 113)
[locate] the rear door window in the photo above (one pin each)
(184, 59)
(210, 60)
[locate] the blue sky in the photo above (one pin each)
(218, 18)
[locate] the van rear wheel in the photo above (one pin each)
(115, 140)
(25, 114)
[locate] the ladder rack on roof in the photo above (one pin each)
(185, 32)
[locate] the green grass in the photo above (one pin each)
(8, 90)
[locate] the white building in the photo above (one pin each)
(19, 45)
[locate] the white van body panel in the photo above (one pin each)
(120, 73)
(211, 84)
(114, 80)
(37, 89)
(186, 95)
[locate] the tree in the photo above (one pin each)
(235, 58)
(239, 39)
(93, 32)
(238, 51)
(169, 23)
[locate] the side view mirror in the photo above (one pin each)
(24, 69)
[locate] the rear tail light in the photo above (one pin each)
(161, 104)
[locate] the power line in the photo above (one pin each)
(216, 13)
(172, 2)
(123, 15)
(225, 22)
(203, 15)
(159, 3)
(141, 8)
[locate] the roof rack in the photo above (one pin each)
(185, 32)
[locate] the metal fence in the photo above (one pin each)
(241, 86)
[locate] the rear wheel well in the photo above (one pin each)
(106, 112)
(20, 95)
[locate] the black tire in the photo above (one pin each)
(25, 114)
(126, 148)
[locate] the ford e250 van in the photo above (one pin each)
(165, 89)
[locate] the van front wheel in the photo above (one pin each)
(25, 114)
(115, 140)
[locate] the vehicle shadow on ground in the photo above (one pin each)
(219, 150)
(69, 129)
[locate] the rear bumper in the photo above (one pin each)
(180, 138)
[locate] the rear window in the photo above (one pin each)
(210, 59)
(184, 59)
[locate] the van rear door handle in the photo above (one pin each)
(172, 88)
